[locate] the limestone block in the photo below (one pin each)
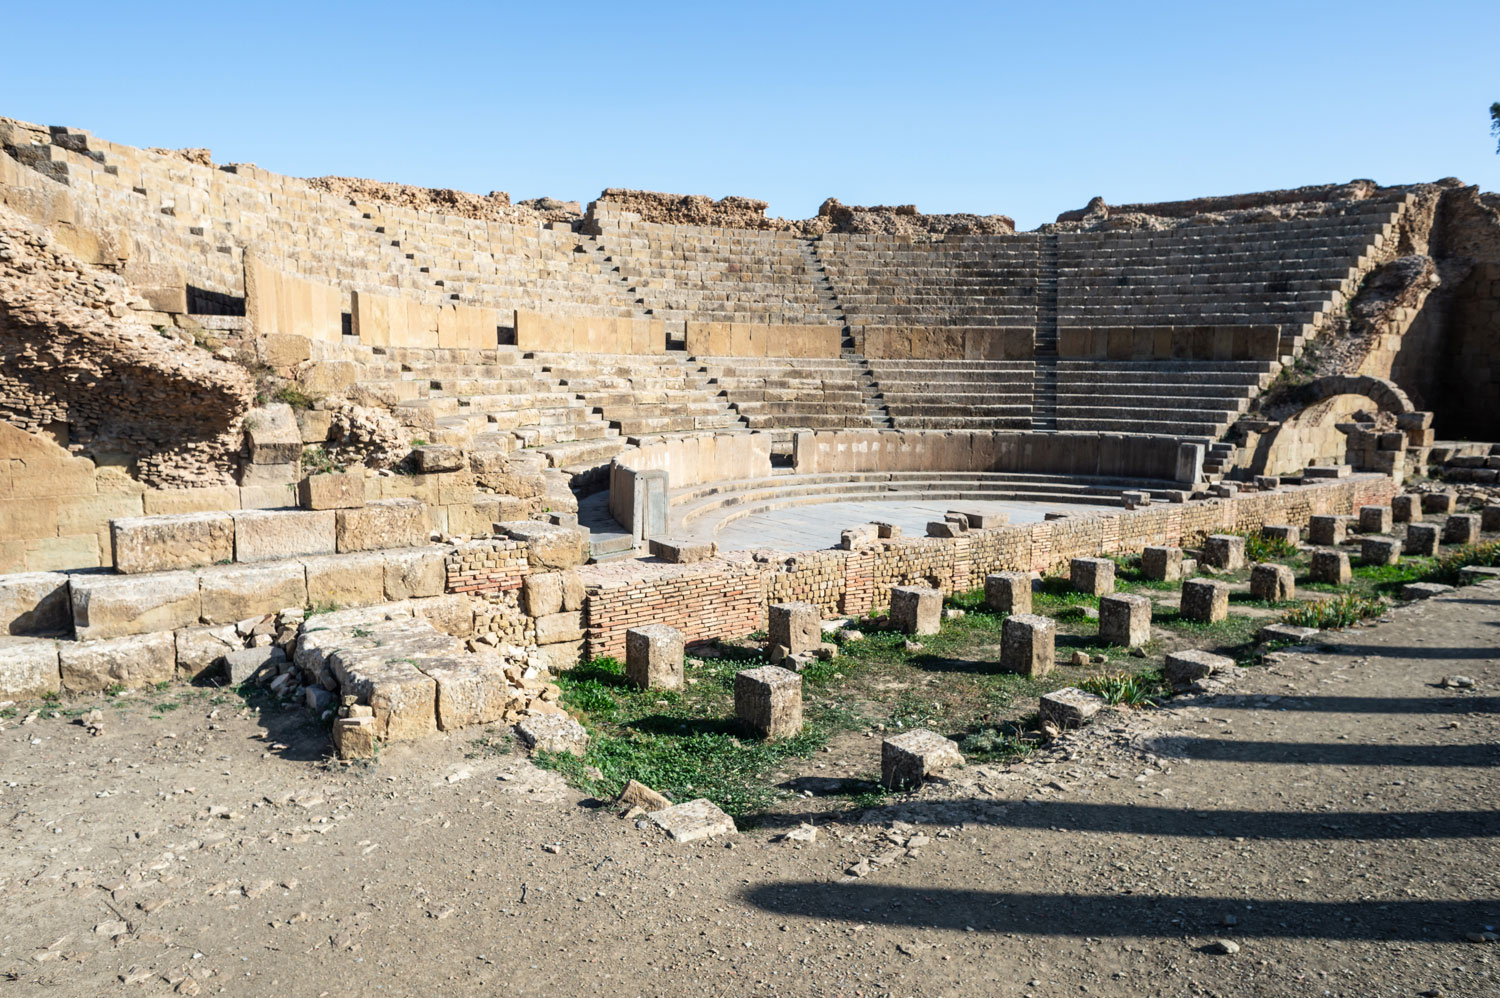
(944, 528)
(314, 425)
(1461, 528)
(1272, 583)
(471, 688)
(552, 733)
(384, 523)
(768, 701)
(1163, 564)
(271, 535)
(271, 476)
(654, 657)
(557, 627)
(1289, 633)
(681, 552)
(574, 592)
(1069, 707)
(1095, 576)
(1125, 619)
(1439, 502)
(1184, 668)
(1008, 592)
(1205, 600)
(272, 435)
(1028, 644)
(1281, 532)
(433, 459)
(693, 821)
(1406, 508)
(797, 627)
(1424, 590)
(164, 543)
(1328, 530)
(114, 606)
(354, 737)
(234, 594)
(1225, 552)
(562, 656)
(345, 580)
(137, 660)
(250, 665)
(1331, 567)
(1489, 520)
(859, 537)
(335, 490)
(887, 531)
(1421, 540)
(401, 697)
(917, 610)
(549, 546)
(35, 603)
(28, 668)
(416, 572)
(1379, 551)
(201, 650)
(987, 521)
(910, 757)
(542, 594)
(451, 613)
(1375, 519)
(637, 794)
(268, 496)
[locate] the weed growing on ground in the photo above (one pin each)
(1447, 568)
(1340, 611)
(1261, 548)
(1138, 689)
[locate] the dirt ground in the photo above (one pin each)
(1333, 818)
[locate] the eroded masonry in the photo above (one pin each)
(405, 454)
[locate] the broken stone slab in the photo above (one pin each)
(1008, 592)
(232, 594)
(380, 667)
(768, 701)
(247, 665)
(1070, 707)
(552, 733)
(1184, 668)
(1225, 552)
(1473, 574)
(549, 546)
(542, 593)
(272, 434)
(1375, 519)
(1379, 551)
(28, 668)
(917, 610)
(138, 660)
(1461, 528)
(654, 657)
(384, 523)
(201, 650)
(354, 737)
(887, 531)
(637, 794)
(1272, 582)
(1424, 590)
(1028, 644)
(432, 459)
(910, 757)
(693, 820)
(142, 544)
(471, 688)
(1286, 633)
(682, 552)
(35, 604)
(1327, 471)
(1327, 530)
(335, 490)
(1331, 567)
(944, 528)
(795, 627)
(453, 613)
(1205, 600)
(986, 521)
(1094, 576)
(1489, 518)
(859, 537)
(1125, 619)
(273, 535)
(1162, 564)
(114, 606)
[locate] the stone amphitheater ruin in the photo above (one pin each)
(484, 441)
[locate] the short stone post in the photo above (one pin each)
(1326, 529)
(1281, 532)
(1374, 519)
(917, 610)
(1379, 551)
(1162, 564)
(1272, 583)
(653, 657)
(768, 701)
(1069, 707)
(1095, 576)
(1406, 508)
(795, 627)
(1028, 644)
(1008, 592)
(912, 756)
(1205, 600)
(1461, 528)
(1422, 540)
(1439, 502)
(1225, 552)
(1489, 520)
(1331, 567)
(1125, 619)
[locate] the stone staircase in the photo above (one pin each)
(1044, 384)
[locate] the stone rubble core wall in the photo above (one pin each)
(728, 597)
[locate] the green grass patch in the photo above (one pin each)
(1341, 611)
(1136, 689)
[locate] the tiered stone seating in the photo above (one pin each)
(787, 393)
(1179, 398)
(640, 394)
(956, 394)
(942, 281)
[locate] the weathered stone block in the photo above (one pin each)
(416, 572)
(1183, 668)
(910, 757)
(1008, 592)
(246, 665)
(797, 627)
(28, 668)
(552, 733)
(1406, 508)
(335, 490)
(637, 794)
(354, 737)
(272, 435)
(542, 594)
(768, 701)
(271, 476)
(887, 531)
(1424, 590)
(549, 546)
(916, 610)
(1472, 575)
(562, 656)
(1281, 532)
(1163, 564)
(1069, 707)
(693, 821)
(1375, 519)
(1379, 551)
(1095, 576)
(114, 606)
(35, 603)
(471, 688)
(1489, 520)
(654, 657)
(987, 521)
(944, 528)
(1225, 552)
(1286, 633)
(1461, 528)
(234, 594)
(1439, 502)
(384, 523)
(1331, 567)
(859, 537)
(1028, 644)
(1205, 600)
(1125, 619)
(451, 613)
(575, 594)
(556, 627)
(164, 543)
(1421, 540)
(201, 650)
(271, 535)
(681, 552)
(1327, 530)
(1272, 583)
(138, 660)
(432, 459)
(345, 580)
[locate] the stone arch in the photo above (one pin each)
(1310, 433)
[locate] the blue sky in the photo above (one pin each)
(1023, 109)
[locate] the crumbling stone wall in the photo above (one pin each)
(733, 212)
(494, 206)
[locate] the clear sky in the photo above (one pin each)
(1022, 109)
